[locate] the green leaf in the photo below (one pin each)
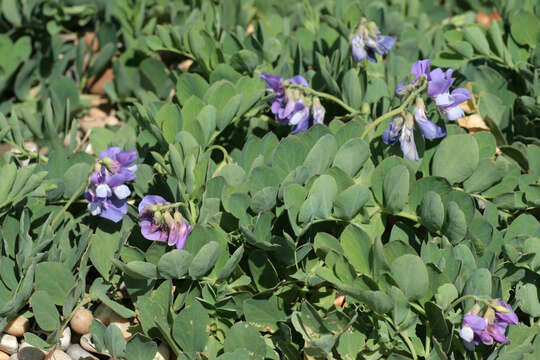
(54, 278)
(174, 264)
(10, 10)
(289, 154)
(114, 341)
(352, 90)
(320, 200)
(525, 28)
(432, 211)
(45, 311)
(231, 263)
(527, 296)
(74, 177)
(355, 243)
(411, 275)
(190, 84)
(463, 48)
(456, 158)
(103, 247)
(242, 335)
(321, 155)
(101, 138)
(264, 313)
(396, 188)
(349, 202)
(262, 271)
(205, 260)
(495, 35)
(455, 225)
(189, 328)
(140, 269)
(169, 118)
(351, 156)
(479, 284)
(439, 326)
(475, 35)
(140, 348)
(486, 175)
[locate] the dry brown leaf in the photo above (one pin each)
(473, 123)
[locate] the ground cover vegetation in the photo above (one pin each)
(218, 179)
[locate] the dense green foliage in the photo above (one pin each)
(283, 225)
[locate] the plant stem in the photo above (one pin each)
(417, 308)
(409, 344)
(28, 153)
(394, 112)
(68, 204)
(325, 96)
(427, 346)
(468, 297)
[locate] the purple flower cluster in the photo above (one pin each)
(368, 41)
(438, 88)
(157, 223)
(291, 106)
(107, 191)
(439, 83)
(489, 327)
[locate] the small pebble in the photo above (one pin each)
(59, 355)
(87, 344)
(8, 344)
(30, 352)
(18, 326)
(163, 352)
(65, 340)
(78, 353)
(4, 356)
(80, 323)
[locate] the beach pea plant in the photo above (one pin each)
(243, 197)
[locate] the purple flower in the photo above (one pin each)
(402, 130)
(472, 327)
(318, 111)
(505, 314)
(106, 197)
(439, 90)
(157, 223)
(290, 105)
(106, 191)
(489, 328)
(406, 140)
(419, 68)
(368, 41)
(429, 129)
(392, 132)
(119, 163)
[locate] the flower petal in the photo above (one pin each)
(385, 44)
(408, 147)
(466, 333)
(429, 129)
(421, 67)
(150, 231)
(125, 158)
(299, 80)
(110, 152)
(121, 191)
(358, 48)
(273, 82)
(477, 323)
(150, 200)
